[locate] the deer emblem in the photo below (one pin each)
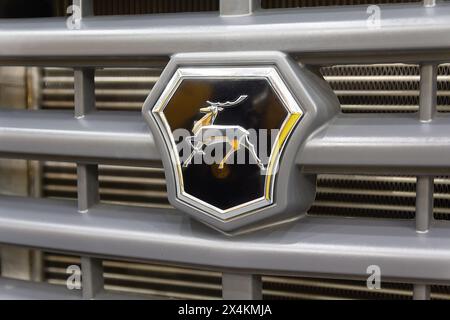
(206, 133)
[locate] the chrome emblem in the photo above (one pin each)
(223, 124)
(207, 133)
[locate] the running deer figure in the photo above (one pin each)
(206, 133)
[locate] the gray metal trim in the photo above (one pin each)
(87, 174)
(87, 186)
(320, 246)
(325, 34)
(238, 7)
(428, 92)
(105, 137)
(86, 7)
(237, 286)
(424, 203)
(385, 143)
(84, 91)
(92, 277)
(427, 112)
(84, 101)
(421, 292)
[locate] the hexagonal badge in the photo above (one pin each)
(224, 124)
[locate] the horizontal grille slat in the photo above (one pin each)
(105, 137)
(131, 39)
(361, 88)
(141, 233)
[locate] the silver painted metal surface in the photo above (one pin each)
(92, 277)
(237, 286)
(427, 111)
(87, 186)
(238, 7)
(425, 184)
(385, 143)
(421, 292)
(84, 91)
(428, 92)
(319, 34)
(86, 7)
(321, 246)
(424, 203)
(110, 137)
(84, 100)
(87, 174)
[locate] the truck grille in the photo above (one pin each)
(390, 197)
(366, 85)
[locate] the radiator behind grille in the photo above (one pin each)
(118, 184)
(383, 88)
(360, 88)
(116, 89)
(185, 283)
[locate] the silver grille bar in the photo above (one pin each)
(382, 143)
(350, 143)
(110, 137)
(316, 35)
(324, 247)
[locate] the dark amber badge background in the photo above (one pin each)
(236, 183)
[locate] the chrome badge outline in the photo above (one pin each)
(294, 111)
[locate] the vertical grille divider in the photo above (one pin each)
(425, 184)
(237, 286)
(427, 110)
(87, 174)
